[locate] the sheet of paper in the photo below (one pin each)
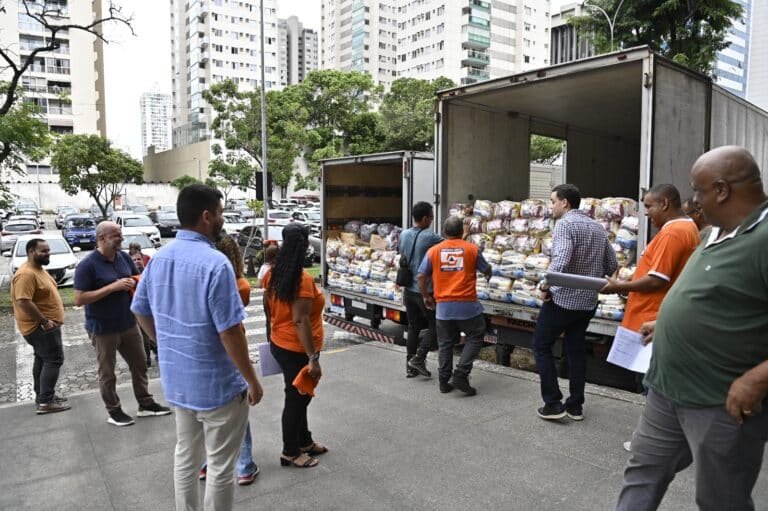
(554, 278)
(267, 363)
(628, 351)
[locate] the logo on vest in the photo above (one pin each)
(452, 259)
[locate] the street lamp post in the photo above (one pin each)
(611, 22)
(264, 184)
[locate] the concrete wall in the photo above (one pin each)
(166, 166)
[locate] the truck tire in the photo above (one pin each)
(504, 354)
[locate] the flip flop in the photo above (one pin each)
(288, 461)
(315, 449)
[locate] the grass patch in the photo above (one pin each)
(67, 297)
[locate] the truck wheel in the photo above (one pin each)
(349, 317)
(503, 354)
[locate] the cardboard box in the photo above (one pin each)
(349, 238)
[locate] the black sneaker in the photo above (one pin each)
(52, 407)
(554, 412)
(411, 373)
(153, 410)
(419, 364)
(575, 414)
(445, 387)
(120, 418)
(462, 383)
(56, 399)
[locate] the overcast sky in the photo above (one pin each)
(137, 64)
(140, 63)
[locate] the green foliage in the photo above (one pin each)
(689, 32)
(407, 113)
(24, 136)
(89, 163)
(545, 150)
(185, 180)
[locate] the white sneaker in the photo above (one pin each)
(628, 446)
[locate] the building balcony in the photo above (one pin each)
(475, 58)
(477, 73)
(479, 4)
(57, 70)
(477, 42)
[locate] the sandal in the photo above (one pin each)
(296, 461)
(314, 449)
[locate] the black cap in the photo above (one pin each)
(295, 230)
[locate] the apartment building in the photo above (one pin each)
(66, 84)
(567, 44)
(297, 51)
(156, 111)
(757, 83)
(211, 41)
(464, 40)
(731, 69)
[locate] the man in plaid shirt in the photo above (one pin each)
(579, 246)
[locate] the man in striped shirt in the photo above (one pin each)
(579, 246)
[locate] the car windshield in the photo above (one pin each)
(81, 223)
(167, 216)
(20, 227)
(67, 210)
(141, 239)
(58, 246)
(137, 222)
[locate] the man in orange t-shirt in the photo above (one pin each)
(453, 265)
(662, 260)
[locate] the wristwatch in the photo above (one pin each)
(315, 356)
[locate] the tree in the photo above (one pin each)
(340, 118)
(238, 124)
(407, 113)
(23, 135)
(690, 32)
(545, 150)
(185, 180)
(89, 163)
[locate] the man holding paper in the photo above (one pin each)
(580, 246)
(708, 377)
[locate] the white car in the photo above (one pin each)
(233, 223)
(63, 260)
(141, 222)
(136, 235)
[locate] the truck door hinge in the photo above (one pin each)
(647, 80)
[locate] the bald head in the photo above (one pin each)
(108, 238)
(727, 186)
(105, 227)
(454, 227)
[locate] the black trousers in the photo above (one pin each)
(419, 317)
(296, 433)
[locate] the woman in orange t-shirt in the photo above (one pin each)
(294, 307)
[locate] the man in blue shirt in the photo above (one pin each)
(579, 246)
(103, 284)
(187, 301)
(414, 243)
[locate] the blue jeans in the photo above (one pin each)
(49, 356)
(245, 464)
(553, 321)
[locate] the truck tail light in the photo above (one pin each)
(337, 300)
(392, 315)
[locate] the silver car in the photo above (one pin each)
(13, 229)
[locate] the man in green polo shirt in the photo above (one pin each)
(708, 378)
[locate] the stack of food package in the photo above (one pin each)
(516, 240)
(357, 264)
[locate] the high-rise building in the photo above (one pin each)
(731, 68)
(464, 40)
(297, 50)
(567, 44)
(67, 83)
(211, 41)
(156, 114)
(757, 84)
(360, 35)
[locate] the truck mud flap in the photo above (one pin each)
(358, 329)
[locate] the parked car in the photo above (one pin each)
(136, 235)
(277, 217)
(139, 209)
(307, 216)
(287, 203)
(61, 212)
(29, 211)
(80, 230)
(25, 218)
(251, 245)
(233, 223)
(63, 261)
(167, 222)
(142, 222)
(96, 212)
(13, 230)
(168, 208)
